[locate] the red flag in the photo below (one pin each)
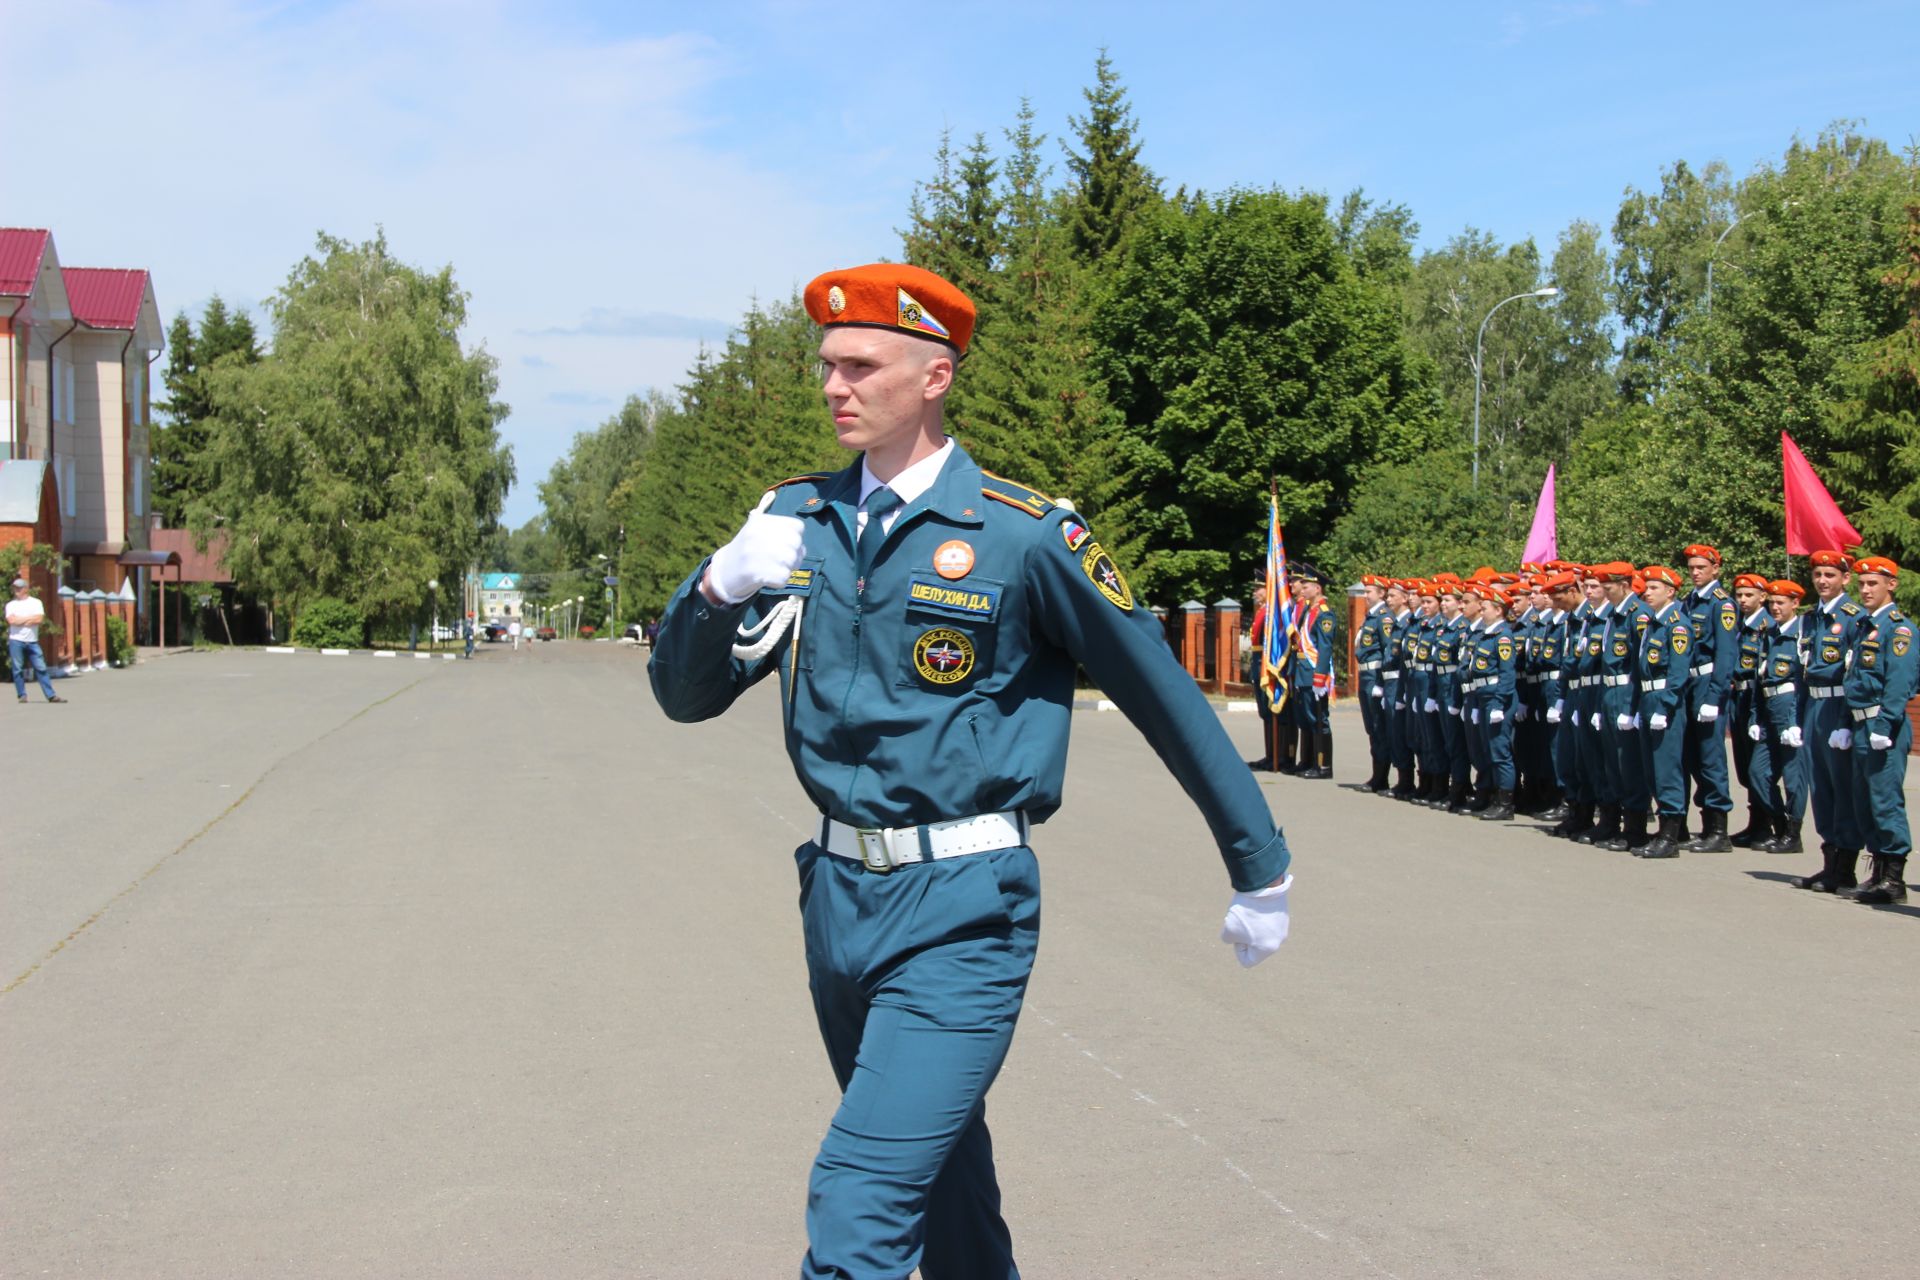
(1814, 522)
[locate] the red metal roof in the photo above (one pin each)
(21, 249)
(195, 566)
(105, 297)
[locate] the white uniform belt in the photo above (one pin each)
(1579, 682)
(1654, 684)
(1825, 690)
(1616, 681)
(884, 848)
(1863, 714)
(1775, 690)
(1370, 666)
(1485, 682)
(1704, 669)
(1389, 675)
(1447, 668)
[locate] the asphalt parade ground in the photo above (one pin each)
(318, 966)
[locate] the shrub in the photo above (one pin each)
(120, 650)
(327, 623)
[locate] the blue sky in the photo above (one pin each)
(614, 183)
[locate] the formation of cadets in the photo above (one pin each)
(1602, 699)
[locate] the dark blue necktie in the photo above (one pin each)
(880, 503)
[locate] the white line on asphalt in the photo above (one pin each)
(334, 653)
(280, 648)
(385, 653)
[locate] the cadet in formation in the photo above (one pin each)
(925, 619)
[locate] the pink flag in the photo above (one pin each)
(1543, 543)
(1814, 520)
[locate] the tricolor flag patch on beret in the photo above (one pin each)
(916, 317)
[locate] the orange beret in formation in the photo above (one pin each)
(1830, 560)
(1704, 552)
(893, 295)
(1877, 564)
(1783, 587)
(1749, 582)
(1660, 573)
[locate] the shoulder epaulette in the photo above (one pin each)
(1720, 592)
(1894, 615)
(1850, 608)
(1015, 494)
(817, 475)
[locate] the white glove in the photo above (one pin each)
(1657, 722)
(1256, 923)
(1757, 732)
(1554, 713)
(1495, 715)
(1594, 720)
(1879, 741)
(1840, 739)
(1432, 706)
(1319, 691)
(1454, 712)
(1792, 738)
(1474, 715)
(1379, 692)
(1624, 723)
(1636, 719)
(1708, 714)
(1520, 713)
(1399, 706)
(763, 554)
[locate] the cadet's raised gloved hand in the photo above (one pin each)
(1624, 723)
(1495, 715)
(1594, 721)
(1879, 741)
(1432, 706)
(1256, 923)
(1555, 713)
(1709, 713)
(761, 555)
(1657, 722)
(1840, 739)
(1792, 737)
(1757, 732)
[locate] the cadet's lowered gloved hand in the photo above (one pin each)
(1624, 723)
(1709, 713)
(761, 555)
(1256, 923)
(1520, 713)
(1594, 721)
(1556, 712)
(1657, 722)
(1320, 691)
(1757, 732)
(1792, 737)
(1840, 739)
(1379, 692)
(1495, 715)
(1879, 741)
(1473, 716)
(1433, 705)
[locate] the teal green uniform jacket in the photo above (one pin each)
(938, 695)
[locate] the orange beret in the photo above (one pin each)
(1451, 587)
(1750, 582)
(893, 295)
(1877, 564)
(1782, 587)
(1703, 551)
(1531, 566)
(1638, 583)
(1830, 560)
(1447, 575)
(1372, 580)
(1660, 573)
(1563, 581)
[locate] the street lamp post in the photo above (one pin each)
(433, 637)
(1479, 364)
(1712, 254)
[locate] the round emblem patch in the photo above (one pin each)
(836, 300)
(1680, 644)
(953, 559)
(943, 656)
(1105, 574)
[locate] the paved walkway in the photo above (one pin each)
(348, 967)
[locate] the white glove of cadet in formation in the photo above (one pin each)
(1519, 713)
(1594, 720)
(1624, 723)
(1473, 716)
(1554, 713)
(1495, 715)
(1256, 923)
(1379, 692)
(1879, 741)
(1792, 737)
(761, 555)
(1433, 705)
(1756, 732)
(1657, 722)
(1840, 739)
(1709, 713)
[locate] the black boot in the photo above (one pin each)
(1603, 829)
(1501, 808)
(1786, 837)
(1457, 798)
(1666, 841)
(1888, 883)
(1378, 782)
(1319, 754)
(1288, 735)
(1836, 876)
(1556, 808)
(1482, 799)
(1633, 832)
(1759, 827)
(1713, 833)
(1579, 817)
(1402, 784)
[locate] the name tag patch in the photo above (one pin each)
(977, 599)
(800, 582)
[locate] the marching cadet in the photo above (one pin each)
(1880, 682)
(1369, 655)
(1313, 672)
(1711, 612)
(1746, 728)
(1394, 673)
(1830, 633)
(1599, 818)
(1619, 718)
(1448, 652)
(1661, 677)
(1780, 708)
(1490, 700)
(1560, 589)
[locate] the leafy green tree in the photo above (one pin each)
(1109, 188)
(578, 493)
(362, 458)
(1660, 272)
(180, 440)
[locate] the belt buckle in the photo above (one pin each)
(875, 849)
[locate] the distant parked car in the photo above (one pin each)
(493, 631)
(445, 632)
(636, 631)
(543, 633)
